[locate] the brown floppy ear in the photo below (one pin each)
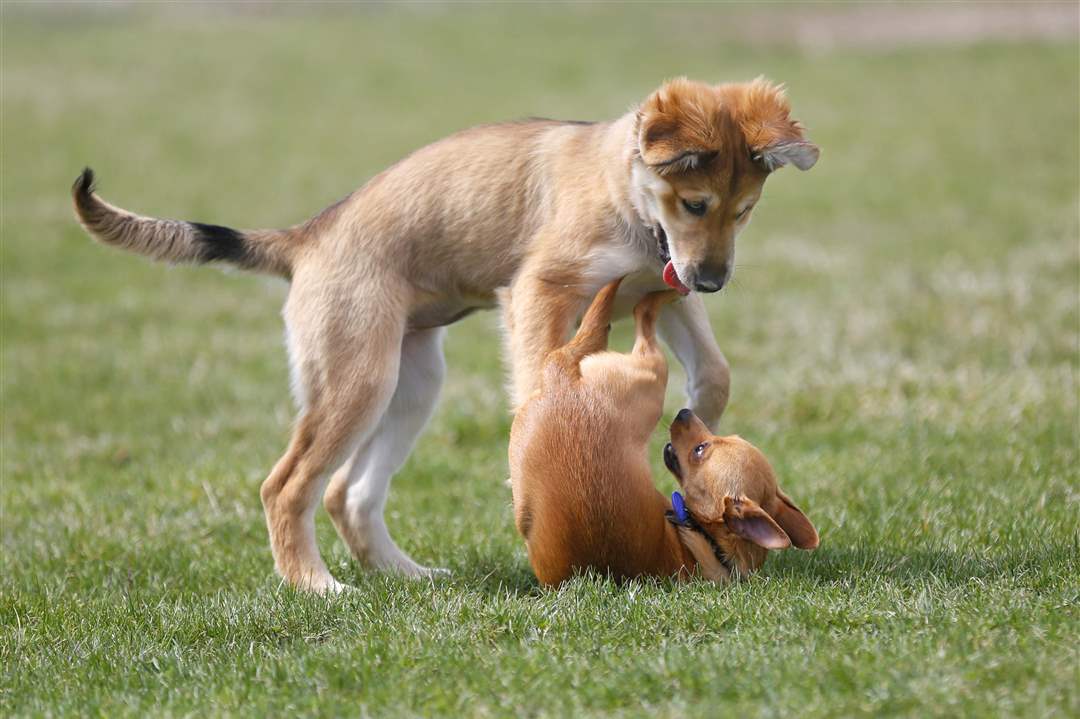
(744, 517)
(675, 131)
(794, 522)
(774, 138)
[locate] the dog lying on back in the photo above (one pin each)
(579, 470)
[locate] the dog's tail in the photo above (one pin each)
(269, 251)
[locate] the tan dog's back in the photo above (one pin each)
(578, 464)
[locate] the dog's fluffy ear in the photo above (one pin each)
(745, 518)
(801, 154)
(796, 524)
(774, 139)
(676, 131)
(683, 125)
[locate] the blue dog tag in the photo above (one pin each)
(679, 506)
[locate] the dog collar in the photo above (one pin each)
(680, 516)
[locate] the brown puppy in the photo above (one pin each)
(579, 470)
(537, 215)
(736, 507)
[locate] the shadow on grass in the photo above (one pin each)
(498, 572)
(1033, 565)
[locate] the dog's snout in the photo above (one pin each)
(712, 279)
(684, 415)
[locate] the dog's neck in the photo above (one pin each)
(621, 143)
(696, 552)
(710, 561)
(680, 551)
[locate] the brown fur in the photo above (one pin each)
(583, 493)
(732, 491)
(539, 213)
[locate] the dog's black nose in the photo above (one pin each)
(684, 415)
(711, 279)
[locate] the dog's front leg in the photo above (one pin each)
(684, 326)
(538, 316)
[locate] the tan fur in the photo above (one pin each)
(583, 494)
(542, 212)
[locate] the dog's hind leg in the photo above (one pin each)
(346, 360)
(592, 334)
(357, 493)
(645, 314)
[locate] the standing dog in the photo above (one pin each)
(540, 214)
(584, 496)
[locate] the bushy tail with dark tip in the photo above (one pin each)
(269, 251)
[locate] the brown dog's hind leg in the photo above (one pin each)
(645, 313)
(592, 334)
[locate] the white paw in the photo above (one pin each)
(333, 587)
(432, 572)
(323, 584)
(406, 567)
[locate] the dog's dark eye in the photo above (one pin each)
(700, 450)
(696, 207)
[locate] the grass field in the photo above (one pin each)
(903, 333)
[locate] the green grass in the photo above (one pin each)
(903, 333)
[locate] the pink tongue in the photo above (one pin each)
(671, 279)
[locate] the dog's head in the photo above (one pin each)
(703, 153)
(732, 493)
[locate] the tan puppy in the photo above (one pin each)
(579, 470)
(538, 215)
